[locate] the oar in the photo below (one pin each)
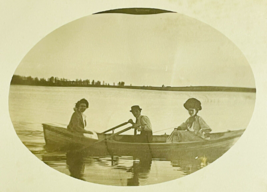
(126, 129)
(113, 128)
(103, 140)
(113, 135)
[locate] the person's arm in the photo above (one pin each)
(135, 125)
(183, 126)
(77, 126)
(204, 127)
(145, 123)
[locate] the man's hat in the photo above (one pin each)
(193, 103)
(135, 107)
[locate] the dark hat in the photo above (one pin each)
(193, 103)
(135, 107)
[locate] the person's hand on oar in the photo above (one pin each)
(89, 132)
(135, 125)
(130, 121)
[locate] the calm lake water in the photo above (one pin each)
(31, 106)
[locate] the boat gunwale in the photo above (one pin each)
(66, 132)
(182, 143)
(111, 140)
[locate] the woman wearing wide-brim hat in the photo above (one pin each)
(194, 128)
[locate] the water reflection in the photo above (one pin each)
(75, 164)
(140, 169)
(190, 165)
(125, 170)
(77, 161)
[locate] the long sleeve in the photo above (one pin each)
(183, 126)
(76, 123)
(204, 126)
(145, 123)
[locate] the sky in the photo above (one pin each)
(163, 49)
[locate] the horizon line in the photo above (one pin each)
(131, 85)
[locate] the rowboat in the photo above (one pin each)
(125, 145)
(58, 137)
(219, 143)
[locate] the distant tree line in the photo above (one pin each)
(55, 81)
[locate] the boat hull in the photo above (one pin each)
(59, 138)
(173, 150)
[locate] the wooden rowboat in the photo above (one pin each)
(61, 138)
(218, 144)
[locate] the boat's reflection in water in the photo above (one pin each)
(76, 164)
(190, 165)
(139, 169)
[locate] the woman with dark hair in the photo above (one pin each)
(194, 128)
(78, 119)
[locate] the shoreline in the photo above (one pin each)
(167, 88)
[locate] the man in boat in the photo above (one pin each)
(194, 128)
(141, 124)
(78, 119)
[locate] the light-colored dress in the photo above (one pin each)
(190, 131)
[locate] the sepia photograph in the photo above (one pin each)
(146, 95)
(127, 96)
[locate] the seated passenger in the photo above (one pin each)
(78, 122)
(194, 128)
